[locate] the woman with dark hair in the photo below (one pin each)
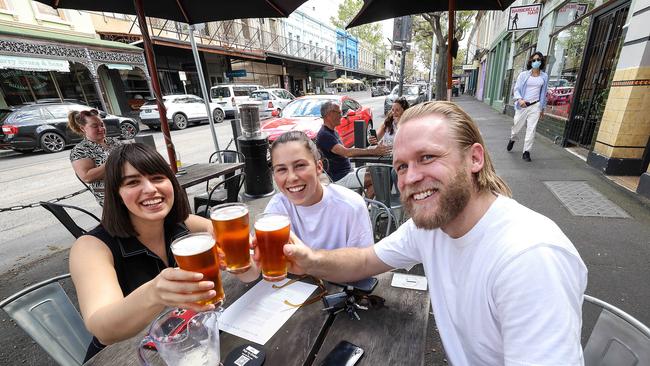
(386, 132)
(89, 155)
(123, 270)
(327, 216)
(530, 100)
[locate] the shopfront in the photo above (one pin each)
(37, 66)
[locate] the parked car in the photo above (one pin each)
(413, 94)
(182, 109)
(272, 101)
(377, 91)
(44, 126)
(228, 96)
(559, 92)
(304, 114)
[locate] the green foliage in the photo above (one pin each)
(370, 33)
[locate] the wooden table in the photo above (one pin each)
(393, 335)
(199, 173)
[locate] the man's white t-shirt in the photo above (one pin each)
(339, 220)
(509, 292)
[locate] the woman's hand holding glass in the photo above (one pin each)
(184, 289)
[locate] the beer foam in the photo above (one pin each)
(193, 244)
(272, 223)
(229, 213)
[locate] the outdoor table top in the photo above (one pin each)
(199, 173)
(395, 332)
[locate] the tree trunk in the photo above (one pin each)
(441, 73)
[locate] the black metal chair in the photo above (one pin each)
(225, 192)
(227, 156)
(60, 212)
(45, 312)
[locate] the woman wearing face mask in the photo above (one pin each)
(325, 216)
(530, 100)
(89, 155)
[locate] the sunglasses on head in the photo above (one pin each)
(90, 112)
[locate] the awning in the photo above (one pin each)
(33, 64)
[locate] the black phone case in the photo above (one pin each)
(344, 354)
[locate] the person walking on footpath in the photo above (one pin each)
(530, 100)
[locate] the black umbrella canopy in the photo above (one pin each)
(187, 11)
(376, 10)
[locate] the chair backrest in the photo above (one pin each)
(617, 339)
(45, 312)
(382, 182)
(59, 211)
(227, 156)
(232, 184)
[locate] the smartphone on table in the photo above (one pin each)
(344, 354)
(366, 285)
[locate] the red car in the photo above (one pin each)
(303, 114)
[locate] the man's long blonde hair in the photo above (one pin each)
(466, 133)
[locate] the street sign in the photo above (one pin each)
(402, 29)
(236, 73)
(182, 76)
(524, 17)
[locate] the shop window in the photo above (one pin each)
(564, 60)
(77, 85)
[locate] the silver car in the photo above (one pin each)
(272, 101)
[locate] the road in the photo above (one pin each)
(33, 233)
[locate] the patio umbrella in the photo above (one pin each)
(376, 10)
(341, 80)
(186, 11)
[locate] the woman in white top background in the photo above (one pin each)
(387, 130)
(530, 100)
(325, 216)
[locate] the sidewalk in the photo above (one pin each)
(615, 250)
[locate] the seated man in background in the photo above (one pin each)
(329, 143)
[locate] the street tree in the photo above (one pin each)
(428, 25)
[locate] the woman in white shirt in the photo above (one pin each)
(387, 130)
(327, 216)
(530, 100)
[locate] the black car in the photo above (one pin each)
(44, 126)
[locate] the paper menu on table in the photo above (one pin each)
(409, 281)
(261, 311)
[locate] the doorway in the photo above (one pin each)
(605, 38)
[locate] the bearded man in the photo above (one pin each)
(506, 284)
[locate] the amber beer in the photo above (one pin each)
(230, 223)
(197, 253)
(272, 233)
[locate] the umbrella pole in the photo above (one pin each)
(155, 84)
(450, 38)
(204, 90)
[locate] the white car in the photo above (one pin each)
(272, 101)
(229, 96)
(182, 109)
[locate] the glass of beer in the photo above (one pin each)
(230, 223)
(272, 233)
(197, 253)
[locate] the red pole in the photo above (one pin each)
(155, 84)
(450, 38)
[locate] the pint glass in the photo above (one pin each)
(230, 223)
(197, 253)
(272, 233)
